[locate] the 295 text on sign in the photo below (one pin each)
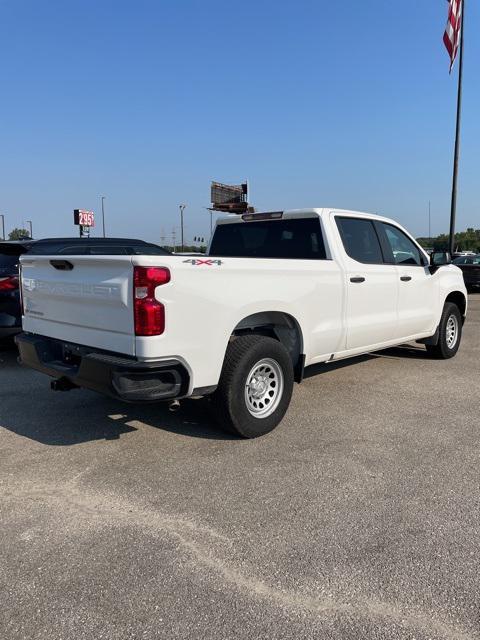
(83, 218)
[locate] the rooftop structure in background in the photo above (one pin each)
(230, 198)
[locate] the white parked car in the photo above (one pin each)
(275, 293)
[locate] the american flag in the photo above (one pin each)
(452, 35)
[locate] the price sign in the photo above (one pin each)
(83, 218)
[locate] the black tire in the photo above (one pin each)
(444, 350)
(233, 402)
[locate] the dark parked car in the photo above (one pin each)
(470, 265)
(10, 252)
(96, 246)
(10, 312)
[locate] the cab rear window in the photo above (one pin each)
(288, 239)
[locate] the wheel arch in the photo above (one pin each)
(458, 298)
(281, 326)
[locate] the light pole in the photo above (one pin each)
(103, 216)
(182, 208)
(3, 225)
(210, 211)
(29, 222)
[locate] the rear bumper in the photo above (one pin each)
(114, 375)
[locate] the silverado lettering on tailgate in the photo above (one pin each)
(72, 289)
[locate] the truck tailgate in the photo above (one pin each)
(80, 299)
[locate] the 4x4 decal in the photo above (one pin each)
(196, 262)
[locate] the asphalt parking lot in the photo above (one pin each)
(358, 518)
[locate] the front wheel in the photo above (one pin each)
(255, 386)
(449, 333)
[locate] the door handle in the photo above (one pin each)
(359, 279)
(405, 278)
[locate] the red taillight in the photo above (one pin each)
(9, 284)
(149, 312)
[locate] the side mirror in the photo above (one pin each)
(439, 259)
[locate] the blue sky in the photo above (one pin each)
(317, 103)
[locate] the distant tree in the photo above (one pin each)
(468, 240)
(18, 234)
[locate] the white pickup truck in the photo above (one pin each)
(276, 292)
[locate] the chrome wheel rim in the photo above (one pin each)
(264, 388)
(452, 331)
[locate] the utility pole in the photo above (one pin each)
(3, 225)
(182, 208)
(29, 222)
(103, 216)
(174, 236)
(453, 209)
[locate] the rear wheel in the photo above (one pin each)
(450, 333)
(255, 386)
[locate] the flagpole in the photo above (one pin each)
(453, 209)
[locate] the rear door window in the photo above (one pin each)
(299, 239)
(360, 239)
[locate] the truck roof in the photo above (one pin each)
(300, 213)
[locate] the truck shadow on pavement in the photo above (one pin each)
(193, 419)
